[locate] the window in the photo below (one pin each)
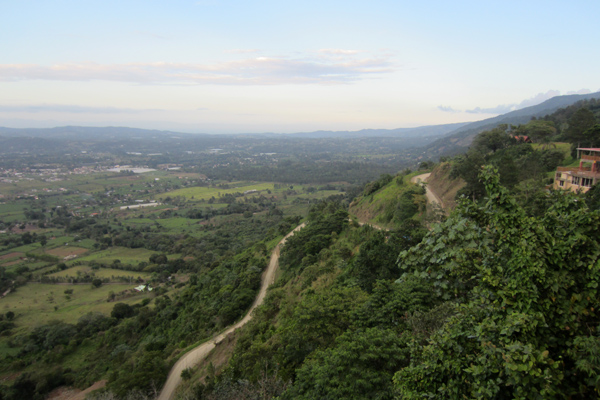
(561, 183)
(587, 182)
(576, 180)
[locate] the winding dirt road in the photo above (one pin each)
(194, 356)
(431, 197)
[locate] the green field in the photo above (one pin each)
(102, 273)
(123, 254)
(205, 193)
(35, 303)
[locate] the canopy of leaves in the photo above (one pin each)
(527, 289)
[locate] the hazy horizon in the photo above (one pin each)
(213, 66)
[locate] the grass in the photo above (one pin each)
(205, 193)
(100, 273)
(34, 304)
(123, 254)
(65, 251)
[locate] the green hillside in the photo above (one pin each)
(390, 200)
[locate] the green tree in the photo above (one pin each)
(493, 140)
(527, 293)
(582, 120)
(376, 260)
(122, 310)
(468, 168)
(359, 366)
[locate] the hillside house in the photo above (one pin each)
(582, 178)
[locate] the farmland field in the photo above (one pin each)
(123, 254)
(37, 303)
(107, 273)
(205, 193)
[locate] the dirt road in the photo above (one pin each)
(431, 197)
(197, 354)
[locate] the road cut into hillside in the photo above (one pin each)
(197, 354)
(432, 198)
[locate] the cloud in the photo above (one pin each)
(537, 99)
(580, 91)
(534, 101)
(501, 109)
(250, 71)
(447, 109)
(70, 109)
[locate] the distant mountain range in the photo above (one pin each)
(434, 140)
(110, 133)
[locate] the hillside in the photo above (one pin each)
(443, 186)
(389, 201)
(456, 142)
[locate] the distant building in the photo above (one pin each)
(523, 139)
(582, 178)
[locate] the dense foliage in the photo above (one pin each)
(494, 302)
(526, 289)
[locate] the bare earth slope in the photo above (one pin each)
(431, 197)
(197, 354)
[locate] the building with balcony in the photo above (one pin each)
(582, 178)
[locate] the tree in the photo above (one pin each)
(359, 366)
(582, 120)
(493, 140)
(10, 315)
(97, 283)
(122, 310)
(468, 168)
(526, 289)
(376, 260)
(538, 130)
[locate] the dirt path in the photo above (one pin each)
(195, 355)
(431, 197)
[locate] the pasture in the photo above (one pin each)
(205, 193)
(38, 303)
(102, 273)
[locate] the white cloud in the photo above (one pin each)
(535, 100)
(501, 109)
(447, 109)
(580, 91)
(250, 71)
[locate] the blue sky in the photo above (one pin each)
(287, 66)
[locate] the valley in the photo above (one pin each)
(150, 280)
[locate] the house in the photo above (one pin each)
(582, 178)
(523, 139)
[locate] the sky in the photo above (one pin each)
(230, 66)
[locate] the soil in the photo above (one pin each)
(11, 255)
(67, 251)
(69, 393)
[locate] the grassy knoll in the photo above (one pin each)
(37, 303)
